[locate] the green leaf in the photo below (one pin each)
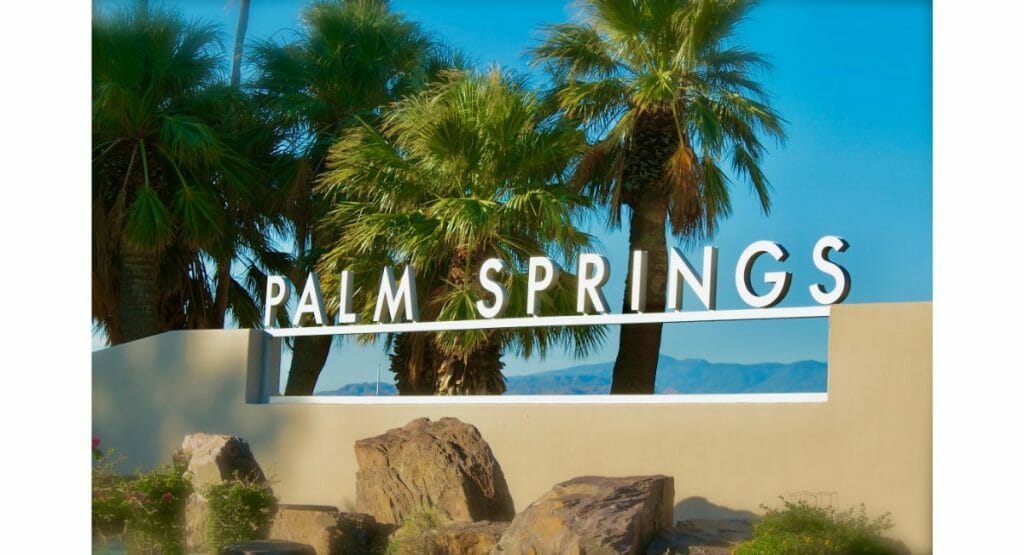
(149, 222)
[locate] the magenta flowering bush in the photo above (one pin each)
(146, 511)
(110, 509)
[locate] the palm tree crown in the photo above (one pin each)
(470, 169)
(175, 162)
(669, 66)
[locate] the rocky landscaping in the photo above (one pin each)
(435, 487)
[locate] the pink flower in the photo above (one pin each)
(95, 442)
(168, 496)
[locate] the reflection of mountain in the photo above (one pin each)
(674, 376)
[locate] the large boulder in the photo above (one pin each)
(444, 464)
(593, 515)
(212, 459)
(314, 525)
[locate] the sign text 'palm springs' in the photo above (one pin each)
(397, 307)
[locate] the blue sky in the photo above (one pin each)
(853, 79)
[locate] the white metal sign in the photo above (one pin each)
(397, 309)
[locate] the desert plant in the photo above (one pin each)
(801, 528)
(470, 169)
(415, 535)
(182, 178)
(349, 59)
(674, 102)
(240, 510)
(110, 507)
(156, 501)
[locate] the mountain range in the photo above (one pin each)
(674, 376)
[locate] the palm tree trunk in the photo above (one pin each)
(479, 374)
(220, 299)
(639, 344)
(413, 362)
(308, 359)
(654, 141)
(243, 24)
(138, 293)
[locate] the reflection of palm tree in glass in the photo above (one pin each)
(671, 99)
(471, 169)
(176, 178)
(351, 59)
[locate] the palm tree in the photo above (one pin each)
(671, 99)
(172, 148)
(470, 169)
(350, 59)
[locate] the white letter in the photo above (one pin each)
(779, 279)
(588, 286)
(311, 301)
(837, 272)
(277, 292)
(679, 266)
(638, 287)
(495, 287)
(345, 314)
(400, 298)
(534, 283)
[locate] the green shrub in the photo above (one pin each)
(239, 511)
(799, 528)
(156, 501)
(110, 508)
(414, 536)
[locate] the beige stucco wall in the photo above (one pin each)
(869, 443)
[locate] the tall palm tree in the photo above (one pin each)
(470, 169)
(349, 60)
(172, 147)
(148, 67)
(674, 104)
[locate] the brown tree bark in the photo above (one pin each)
(138, 294)
(308, 359)
(636, 364)
(220, 299)
(644, 190)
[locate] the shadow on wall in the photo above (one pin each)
(700, 508)
(165, 386)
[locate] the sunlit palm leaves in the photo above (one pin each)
(632, 59)
(472, 168)
(675, 111)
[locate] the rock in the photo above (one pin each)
(701, 537)
(197, 511)
(327, 530)
(443, 464)
(314, 525)
(593, 514)
(211, 459)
